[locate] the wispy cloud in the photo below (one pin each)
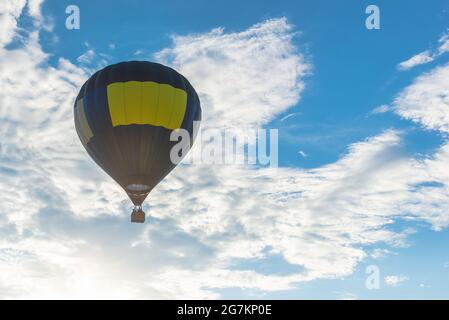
(90, 60)
(257, 73)
(381, 109)
(427, 55)
(288, 116)
(11, 10)
(416, 60)
(87, 57)
(426, 100)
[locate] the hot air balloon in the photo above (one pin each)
(124, 115)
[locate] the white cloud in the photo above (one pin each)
(34, 10)
(87, 57)
(395, 280)
(10, 10)
(426, 100)
(443, 44)
(91, 61)
(288, 116)
(381, 109)
(257, 73)
(420, 58)
(380, 253)
(64, 225)
(427, 55)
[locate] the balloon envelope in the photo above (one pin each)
(124, 115)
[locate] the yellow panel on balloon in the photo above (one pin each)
(146, 102)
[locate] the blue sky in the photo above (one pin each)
(357, 186)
